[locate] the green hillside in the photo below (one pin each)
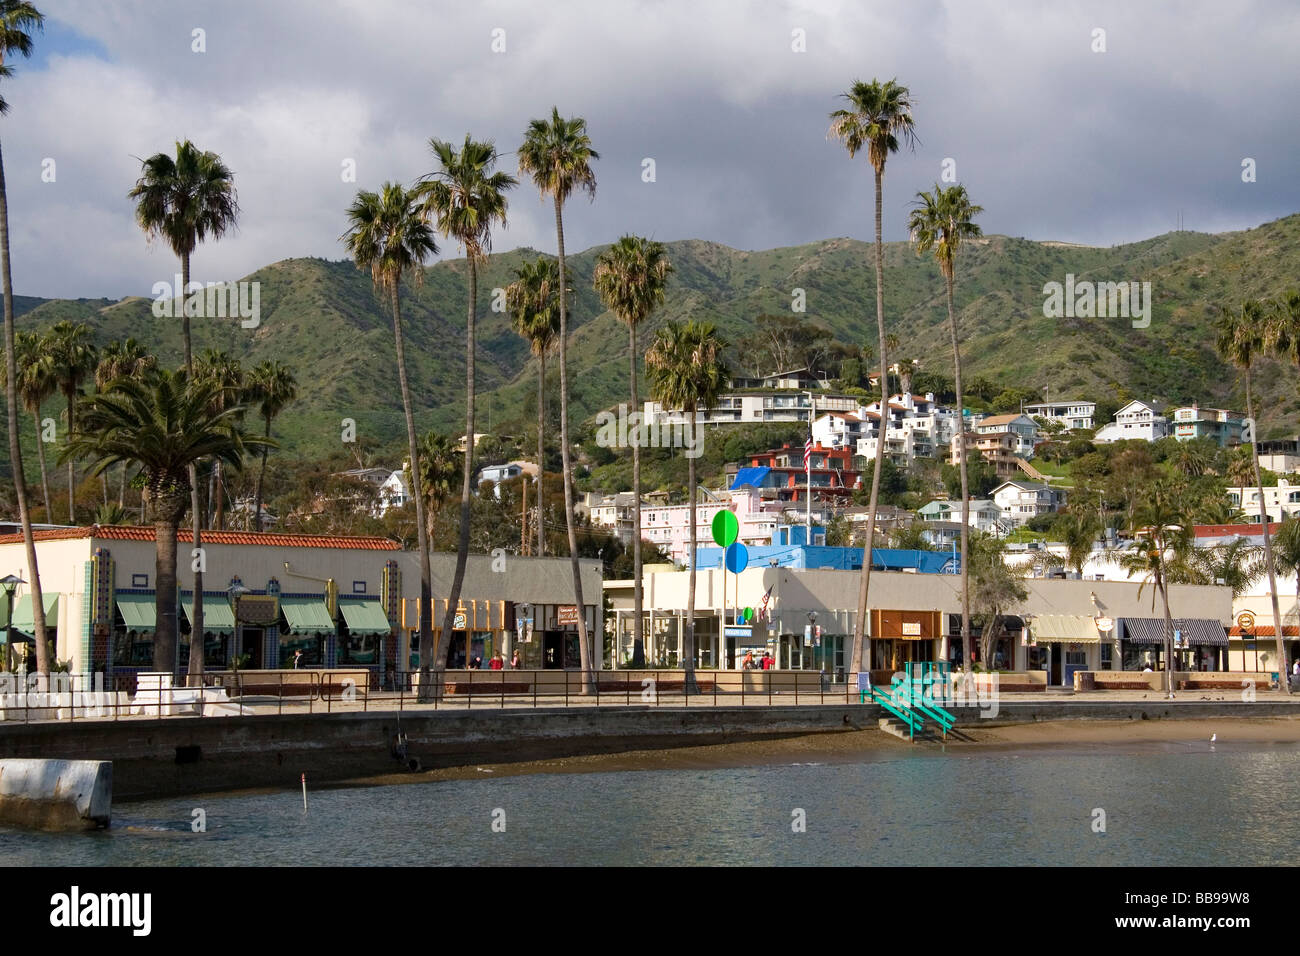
(324, 320)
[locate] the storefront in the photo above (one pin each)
(1062, 644)
(899, 637)
(1199, 644)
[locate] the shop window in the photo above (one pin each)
(359, 649)
(1106, 650)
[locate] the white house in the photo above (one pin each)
(1070, 414)
(614, 512)
(1143, 421)
(985, 514)
(916, 426)
(499, 473)
(391, 490)
(1020, 501)
(838, 430)
(1279, 502)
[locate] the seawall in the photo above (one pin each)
(56, 794)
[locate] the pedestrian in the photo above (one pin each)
(497, 663)
(748, 663)
(515, 663)
(297, 659)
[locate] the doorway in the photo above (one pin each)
(552, 650)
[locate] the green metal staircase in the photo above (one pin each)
(916, 697)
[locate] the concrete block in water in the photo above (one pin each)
(56, 794)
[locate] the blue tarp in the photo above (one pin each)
(838, 559)
(750, 476)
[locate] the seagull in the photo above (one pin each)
(483, 770)
(1213, 737)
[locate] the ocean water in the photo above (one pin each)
(1168, 805)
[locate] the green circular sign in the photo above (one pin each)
(749, 614)
(725, 528)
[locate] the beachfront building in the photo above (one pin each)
(1219, 425)
(1075, 414)
(343, 601)
(805, 619)
(1140, 421)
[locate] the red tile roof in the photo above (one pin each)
(1244, 530)
(265, 538)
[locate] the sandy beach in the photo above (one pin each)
(859, 745)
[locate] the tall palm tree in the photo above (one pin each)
(184, 200)
(1243, 336)
(73, 357)
(272, 387)
(388, 236)
(226, 372)
(942, 221)
(1077, 530)
(557, 154)
(533, 301)
(631, 277)
(1286, 550)
(161, 423)
(1162, 541)
(1237, 564)
(17, 22)
(464, 198)
(36, 385)
(687, 371)
(125, 359)
(878, 118)
(440, 463)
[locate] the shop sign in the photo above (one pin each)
(257, 609)
(911, 628)
(458, 622)
(566, 615)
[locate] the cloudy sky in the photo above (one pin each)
(1056, 141)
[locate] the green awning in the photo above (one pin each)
(217, 616)
(307, 615)
(23, 611)
(364, 616)
(138, 611)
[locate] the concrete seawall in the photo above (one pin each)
(188, 755)
(56, 794)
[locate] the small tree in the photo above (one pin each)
(997, 590)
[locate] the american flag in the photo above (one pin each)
(807, 452)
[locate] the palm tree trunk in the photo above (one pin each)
(219, 510)
(467, 471)
(261, 473)
(72, 481)
(427, 649)
(638, 635)
(168, 509)
(195, 670)
(121, 487)
(965, 486)
(1163, 586)
(40, 454)
(1283, 683)
(541, 455)
(584, 651)
(860, 622)
(689, 685)
(15, 445)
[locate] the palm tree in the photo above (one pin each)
(73, 358)
(184, 200)
(1077, 531)
(162, 423)
(1286, 549)
(533, 302)
(272, 387)
(1237, 564)
(440, 462)
(687, 371)
(17, 21)
(125, 359)
(557, 154)
(944, 220)
(224, 371)
(388, 236)
(36, 385)
(464, 197)
(630, 277)
(1243, 335)
(1162, 540)
(1191, 458)
(879, 119)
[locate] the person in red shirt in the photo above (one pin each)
(497, 662)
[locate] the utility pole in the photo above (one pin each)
(812, 415)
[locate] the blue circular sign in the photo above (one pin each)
(737, 557)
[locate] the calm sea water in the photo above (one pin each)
(1180, 805)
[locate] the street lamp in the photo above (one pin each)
(10, 583)
(234, 592)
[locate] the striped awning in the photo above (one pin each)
(217, 616)
(1065, 629)
(1151, 630)
(23, 618)
(307, 615)
(138, 611)
(364, 616)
